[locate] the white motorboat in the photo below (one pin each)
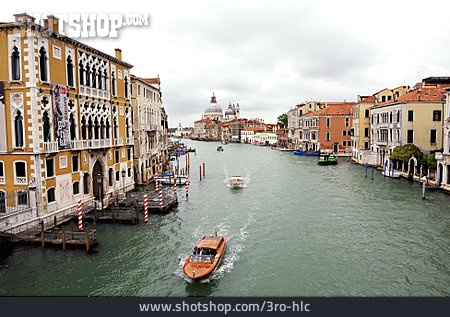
(391, 174)
(236, 182)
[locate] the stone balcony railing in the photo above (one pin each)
(118, 142)
(50, 147)
(2, 179)
(130, 141)
(20, 180)
(89, 144)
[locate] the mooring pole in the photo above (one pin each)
(86, 230)
(423, 189)
(373, 170)
(203, 170)
(64, 238)
(72, 227)
(367, 167)
(42, 234)
(200, 172)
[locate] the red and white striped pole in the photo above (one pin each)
(80, 215)
(187, 185)
(175, 186)
(146, 208)
(156, 183)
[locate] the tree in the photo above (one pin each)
(283, 120)
(405, 152)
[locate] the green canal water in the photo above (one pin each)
(297, 229)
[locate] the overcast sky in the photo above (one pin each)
(271, 55)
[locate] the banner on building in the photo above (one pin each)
(61, 116)
(2, 119)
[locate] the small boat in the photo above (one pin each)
(284, 149)
(306, 153)
(219, 148)
(205, 257)
(392, 173)
(327, 159)
(225, 142)
(168, 179)
(180, 152)
(190, 150)
(236, 181)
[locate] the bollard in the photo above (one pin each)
(64, 238)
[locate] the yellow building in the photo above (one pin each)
(443, 159)
(65, 120)
(361, 130)
(412, 118)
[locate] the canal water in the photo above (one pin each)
(297, 229)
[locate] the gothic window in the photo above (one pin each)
(83, 128)
(115, 129)
(81, 69)
(102, 129)
(46, 124)
(15, 64)
(43, 64)
(90, 129)
(99, 80)
(72, 127)
(18, 129)
(94, 77)
(96, 129)
(88, 76)
(127, 128)
(105, 76)
(107, 128)
(70, 71)
(126, 87)
(113, 83)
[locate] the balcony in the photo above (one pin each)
(50, 147)
(20, 181)
(90, 144)
(76, 144)
(130, 141)
(118, 142)
(101, 143)
(148, 127)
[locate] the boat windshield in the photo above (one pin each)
(202, 258)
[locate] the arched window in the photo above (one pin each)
(51, 195)
(113, 83)
(127, 128)
(107, 128)
(15, 64)
(115, 129)
(81, 70)
(18, 129)
(105, 80)
(99, 79)
(90, 129)
(102, 129)
(70, 71)
(73, 133)
(94, 77)
(83, 128)
(88, 76)
(126, 87)
(96, 129)
(43, 64)
(46, 124)
(76, 188)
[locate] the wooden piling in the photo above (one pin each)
(87, 239)
(72, 227)
(55, 232)
(64, 238)
(95, 231)
(200, 172)
(42, 234)
(203, 170)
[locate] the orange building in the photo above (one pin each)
(329, 128)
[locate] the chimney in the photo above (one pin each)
(53, 23)
(118, 53)
(45, 23)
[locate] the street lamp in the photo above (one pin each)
(123, 178)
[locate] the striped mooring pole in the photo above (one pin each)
(80, 215)
(175, 186)
(187, 185)
(146, 208)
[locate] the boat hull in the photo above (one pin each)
(303, 153)
(198, 271)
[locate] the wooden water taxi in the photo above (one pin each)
(205, 257)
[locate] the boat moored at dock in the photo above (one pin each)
(326, 158)
(306, 153)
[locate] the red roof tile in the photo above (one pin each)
(332, 110)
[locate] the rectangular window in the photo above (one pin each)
(328, 122)
(49, 167)
(410, 136)
(129, 172)
(75, 164)
(383, 98)
(51, 195)
(344, 132)
(129, 154)
(344, 143)
(111, 177)
(436, 115)
(328, 136)
(76, 188)
(116, 156)
(117, 176)
(366, 145)
(366, 113)
(347, 122)
(366, 132)
(410, 115)
(433, 136)
(2, 173)
(22, 198)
